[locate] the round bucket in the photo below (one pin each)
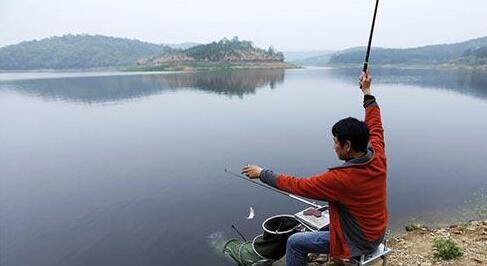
(277, 229)
(280, 225)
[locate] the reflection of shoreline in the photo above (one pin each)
(465, 81)
(99, 89)
(227, 82)
(213, 66)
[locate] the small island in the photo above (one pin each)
(224, 54)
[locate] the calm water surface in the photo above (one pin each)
(118, 169)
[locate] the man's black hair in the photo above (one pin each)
(353, 130)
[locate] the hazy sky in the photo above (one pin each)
(288, 25)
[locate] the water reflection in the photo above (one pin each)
(227, 82)
(469, 82)
(118, 88)
(137, 182)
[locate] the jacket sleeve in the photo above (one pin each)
(325, 186)
(374, 122)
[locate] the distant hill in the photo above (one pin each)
(324, 59)
(75, 52)
(432, 54)
(223, 51)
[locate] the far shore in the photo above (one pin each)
(208, 66)
(446, 66)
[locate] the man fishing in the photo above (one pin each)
(355, 190)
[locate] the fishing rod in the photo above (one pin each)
(366, 62)
(274, 189)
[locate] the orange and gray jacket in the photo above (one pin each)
(356, 192)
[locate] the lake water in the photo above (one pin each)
(127, 169)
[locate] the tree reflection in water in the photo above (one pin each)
(125, 87)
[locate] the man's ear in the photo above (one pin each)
(348, 146)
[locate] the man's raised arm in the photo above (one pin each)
(372, 113)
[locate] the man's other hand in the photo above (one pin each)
(252, 171)
(364, 81)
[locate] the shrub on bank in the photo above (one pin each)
(446, 248)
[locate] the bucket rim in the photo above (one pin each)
(282, 232)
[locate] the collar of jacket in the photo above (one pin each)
(369, 156)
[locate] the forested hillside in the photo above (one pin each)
(474, 57)
(432, 54)
(97, 51)
(75, 52)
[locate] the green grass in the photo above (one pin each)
(446, 248)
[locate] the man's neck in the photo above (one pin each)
(355, 155)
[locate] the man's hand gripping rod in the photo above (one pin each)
(274, 189)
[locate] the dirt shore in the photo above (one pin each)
(415, 247)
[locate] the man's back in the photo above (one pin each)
(364, 182)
